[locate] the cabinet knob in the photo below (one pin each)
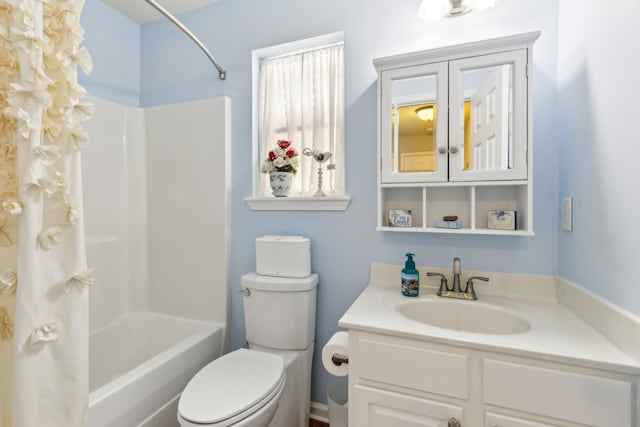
(453, 422)
(453, 149)
(442, 150)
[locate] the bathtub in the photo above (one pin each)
(140, 364)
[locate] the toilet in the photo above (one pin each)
(268, 383)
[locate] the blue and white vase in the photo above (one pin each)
(280, 183)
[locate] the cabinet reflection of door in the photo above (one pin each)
(418, 161)
(494, 133)
(489, 121)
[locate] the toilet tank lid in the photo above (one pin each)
(290, 239)
(278, 283)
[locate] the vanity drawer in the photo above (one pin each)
(399, 363)
(565, 395)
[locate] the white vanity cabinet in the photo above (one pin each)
(403, 382)
(454, 135)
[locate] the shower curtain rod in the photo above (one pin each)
(222, 74)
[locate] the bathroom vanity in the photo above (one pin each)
(514, 358)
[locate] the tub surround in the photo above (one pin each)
(557, 332)
(188, 185)
(115, 211)
(148, 209)
(160, 259)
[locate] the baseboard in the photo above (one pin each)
(166, 416)
(319, 412)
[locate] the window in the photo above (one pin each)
(299, 96)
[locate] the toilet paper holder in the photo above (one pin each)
(339, 359)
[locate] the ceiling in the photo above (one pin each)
(142, 12)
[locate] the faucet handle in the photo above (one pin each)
(443, 283)
(470, 290)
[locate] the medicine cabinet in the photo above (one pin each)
(454, 136)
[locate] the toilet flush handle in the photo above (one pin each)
(245, 291)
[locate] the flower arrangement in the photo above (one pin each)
(283, 158)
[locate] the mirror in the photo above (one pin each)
(415, 137)
(486, 120)
(486, 113)
(413, 124)
(457, 120)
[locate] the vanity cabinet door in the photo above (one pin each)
(383, 408)
(488, 117)
(413, 124)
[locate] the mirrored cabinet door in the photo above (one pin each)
(413, 124)
(488, 117)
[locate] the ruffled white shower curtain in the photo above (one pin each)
(43, 274)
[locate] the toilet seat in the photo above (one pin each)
(232, 388)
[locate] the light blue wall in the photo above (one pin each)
(114, 43)
(600, 150)
(345, 243)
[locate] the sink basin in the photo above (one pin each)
(465, 316)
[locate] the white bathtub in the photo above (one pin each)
(140, 365)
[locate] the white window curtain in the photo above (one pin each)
(302, 100)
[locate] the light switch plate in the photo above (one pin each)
(567, 207)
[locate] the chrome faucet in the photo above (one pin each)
(455, 291)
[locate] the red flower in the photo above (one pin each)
(291, 153)
(272, 155)
(283, 144)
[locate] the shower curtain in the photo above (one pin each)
(43, 274)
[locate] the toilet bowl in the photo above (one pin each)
(240, 389)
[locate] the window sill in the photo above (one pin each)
(330, 203)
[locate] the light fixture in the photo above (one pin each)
(458, 8)
(432, 10)
(425, 113)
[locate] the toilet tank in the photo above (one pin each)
(283, 256)
(280, 312)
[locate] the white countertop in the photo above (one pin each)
(556, 333)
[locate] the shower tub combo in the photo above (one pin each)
(152, 276)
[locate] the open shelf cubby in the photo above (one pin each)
(470, 202)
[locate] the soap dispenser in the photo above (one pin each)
(410, 277)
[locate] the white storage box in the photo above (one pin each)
(284, 256)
